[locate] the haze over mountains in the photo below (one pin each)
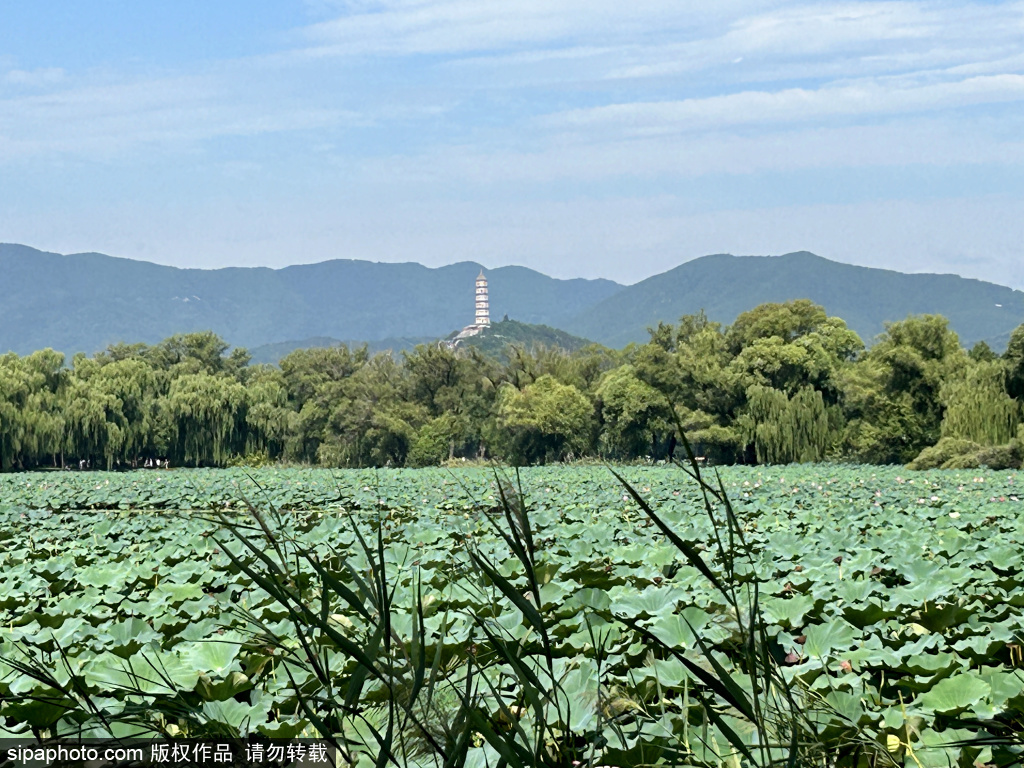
(84, 302)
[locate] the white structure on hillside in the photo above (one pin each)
(483, 305)
(481, 316)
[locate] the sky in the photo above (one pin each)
(581, 138)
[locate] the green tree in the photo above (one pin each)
(14, 394)
(267, 413)
(315, 383)
(207, 418)
(203, 352)
(435, 441)
(42, 411)
(892, 395)
(134, 391)
(790, 347)
(96, 426)
(787, 321)
(635, 417)
(977, 407)
(435, 377)
(373, 421)
(546, 420)
(1014, 361)
(981, 352)
(784, 430)
(690, 366)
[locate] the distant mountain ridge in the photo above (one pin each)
(84, 302)
(865, 297)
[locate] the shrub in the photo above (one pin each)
(1000, 456)
(947, 449)
(963, 461)
(255, 460)
(954, 453)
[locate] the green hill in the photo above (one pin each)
(724, 286)
(496, 339)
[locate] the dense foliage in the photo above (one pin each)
(893, 605)
(784, 383)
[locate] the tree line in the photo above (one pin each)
(784, 383)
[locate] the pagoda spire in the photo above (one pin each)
(483, 305)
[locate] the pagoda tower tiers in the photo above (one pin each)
(483, 305)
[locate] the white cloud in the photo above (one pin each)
(793, 105)
(34, 78)
(919, 142)
(458, 26)
(824, 27)
(844, 40)
(533, 44)
(110, 120)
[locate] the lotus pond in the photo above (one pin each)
(895, 599)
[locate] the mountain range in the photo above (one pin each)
(866, 298)
(84, 302)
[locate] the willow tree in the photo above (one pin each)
(137, 388)
(207, 417)
(48, 379)
(112, 409)
(978, 408)
(785, 430)
(31, 417)
(891, 395)
(14, 393)
(267, 412)
(95, 424)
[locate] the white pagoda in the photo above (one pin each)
(483, 306)
(481, 317)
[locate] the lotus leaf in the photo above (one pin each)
(829, 639)
(910, 598)
(955, 694)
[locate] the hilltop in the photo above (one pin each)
(866, 298)
(495, 339)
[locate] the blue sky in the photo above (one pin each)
(589, 138)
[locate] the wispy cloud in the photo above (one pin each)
(921, 142)
(844, 40)
(34, 78)
(401, 27)
(731, 65)
(111, 119)
(795, 105)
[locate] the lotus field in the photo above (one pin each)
(892, 603)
